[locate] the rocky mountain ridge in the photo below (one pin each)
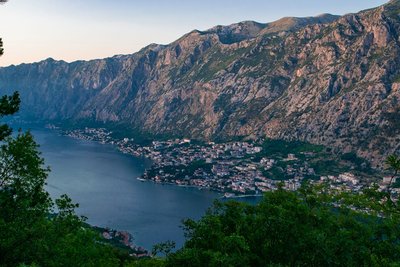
(328, 80)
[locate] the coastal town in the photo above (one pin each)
(237, 168)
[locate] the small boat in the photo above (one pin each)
(141, 179)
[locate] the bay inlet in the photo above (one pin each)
(103, 181)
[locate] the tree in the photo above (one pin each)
(163, 248)
(34, 229)
(8, 104)
(315, 226)
(1, 46)
(393, 163)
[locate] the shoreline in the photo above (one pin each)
(242, 196)
(179, 185)
(222, 194)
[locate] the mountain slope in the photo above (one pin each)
(327, 80)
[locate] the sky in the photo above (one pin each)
(33, 30)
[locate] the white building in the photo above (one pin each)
(348, 177)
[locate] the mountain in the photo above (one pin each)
(327, 80)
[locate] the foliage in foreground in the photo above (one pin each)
(29, 234)
(312, 227)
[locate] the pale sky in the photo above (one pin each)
(33, 30)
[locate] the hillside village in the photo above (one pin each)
(233, 168)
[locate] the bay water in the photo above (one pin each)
(104, 183)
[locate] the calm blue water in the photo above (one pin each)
(103, 181)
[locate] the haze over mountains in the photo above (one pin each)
(328, 80)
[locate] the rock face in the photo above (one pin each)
(327, 80)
